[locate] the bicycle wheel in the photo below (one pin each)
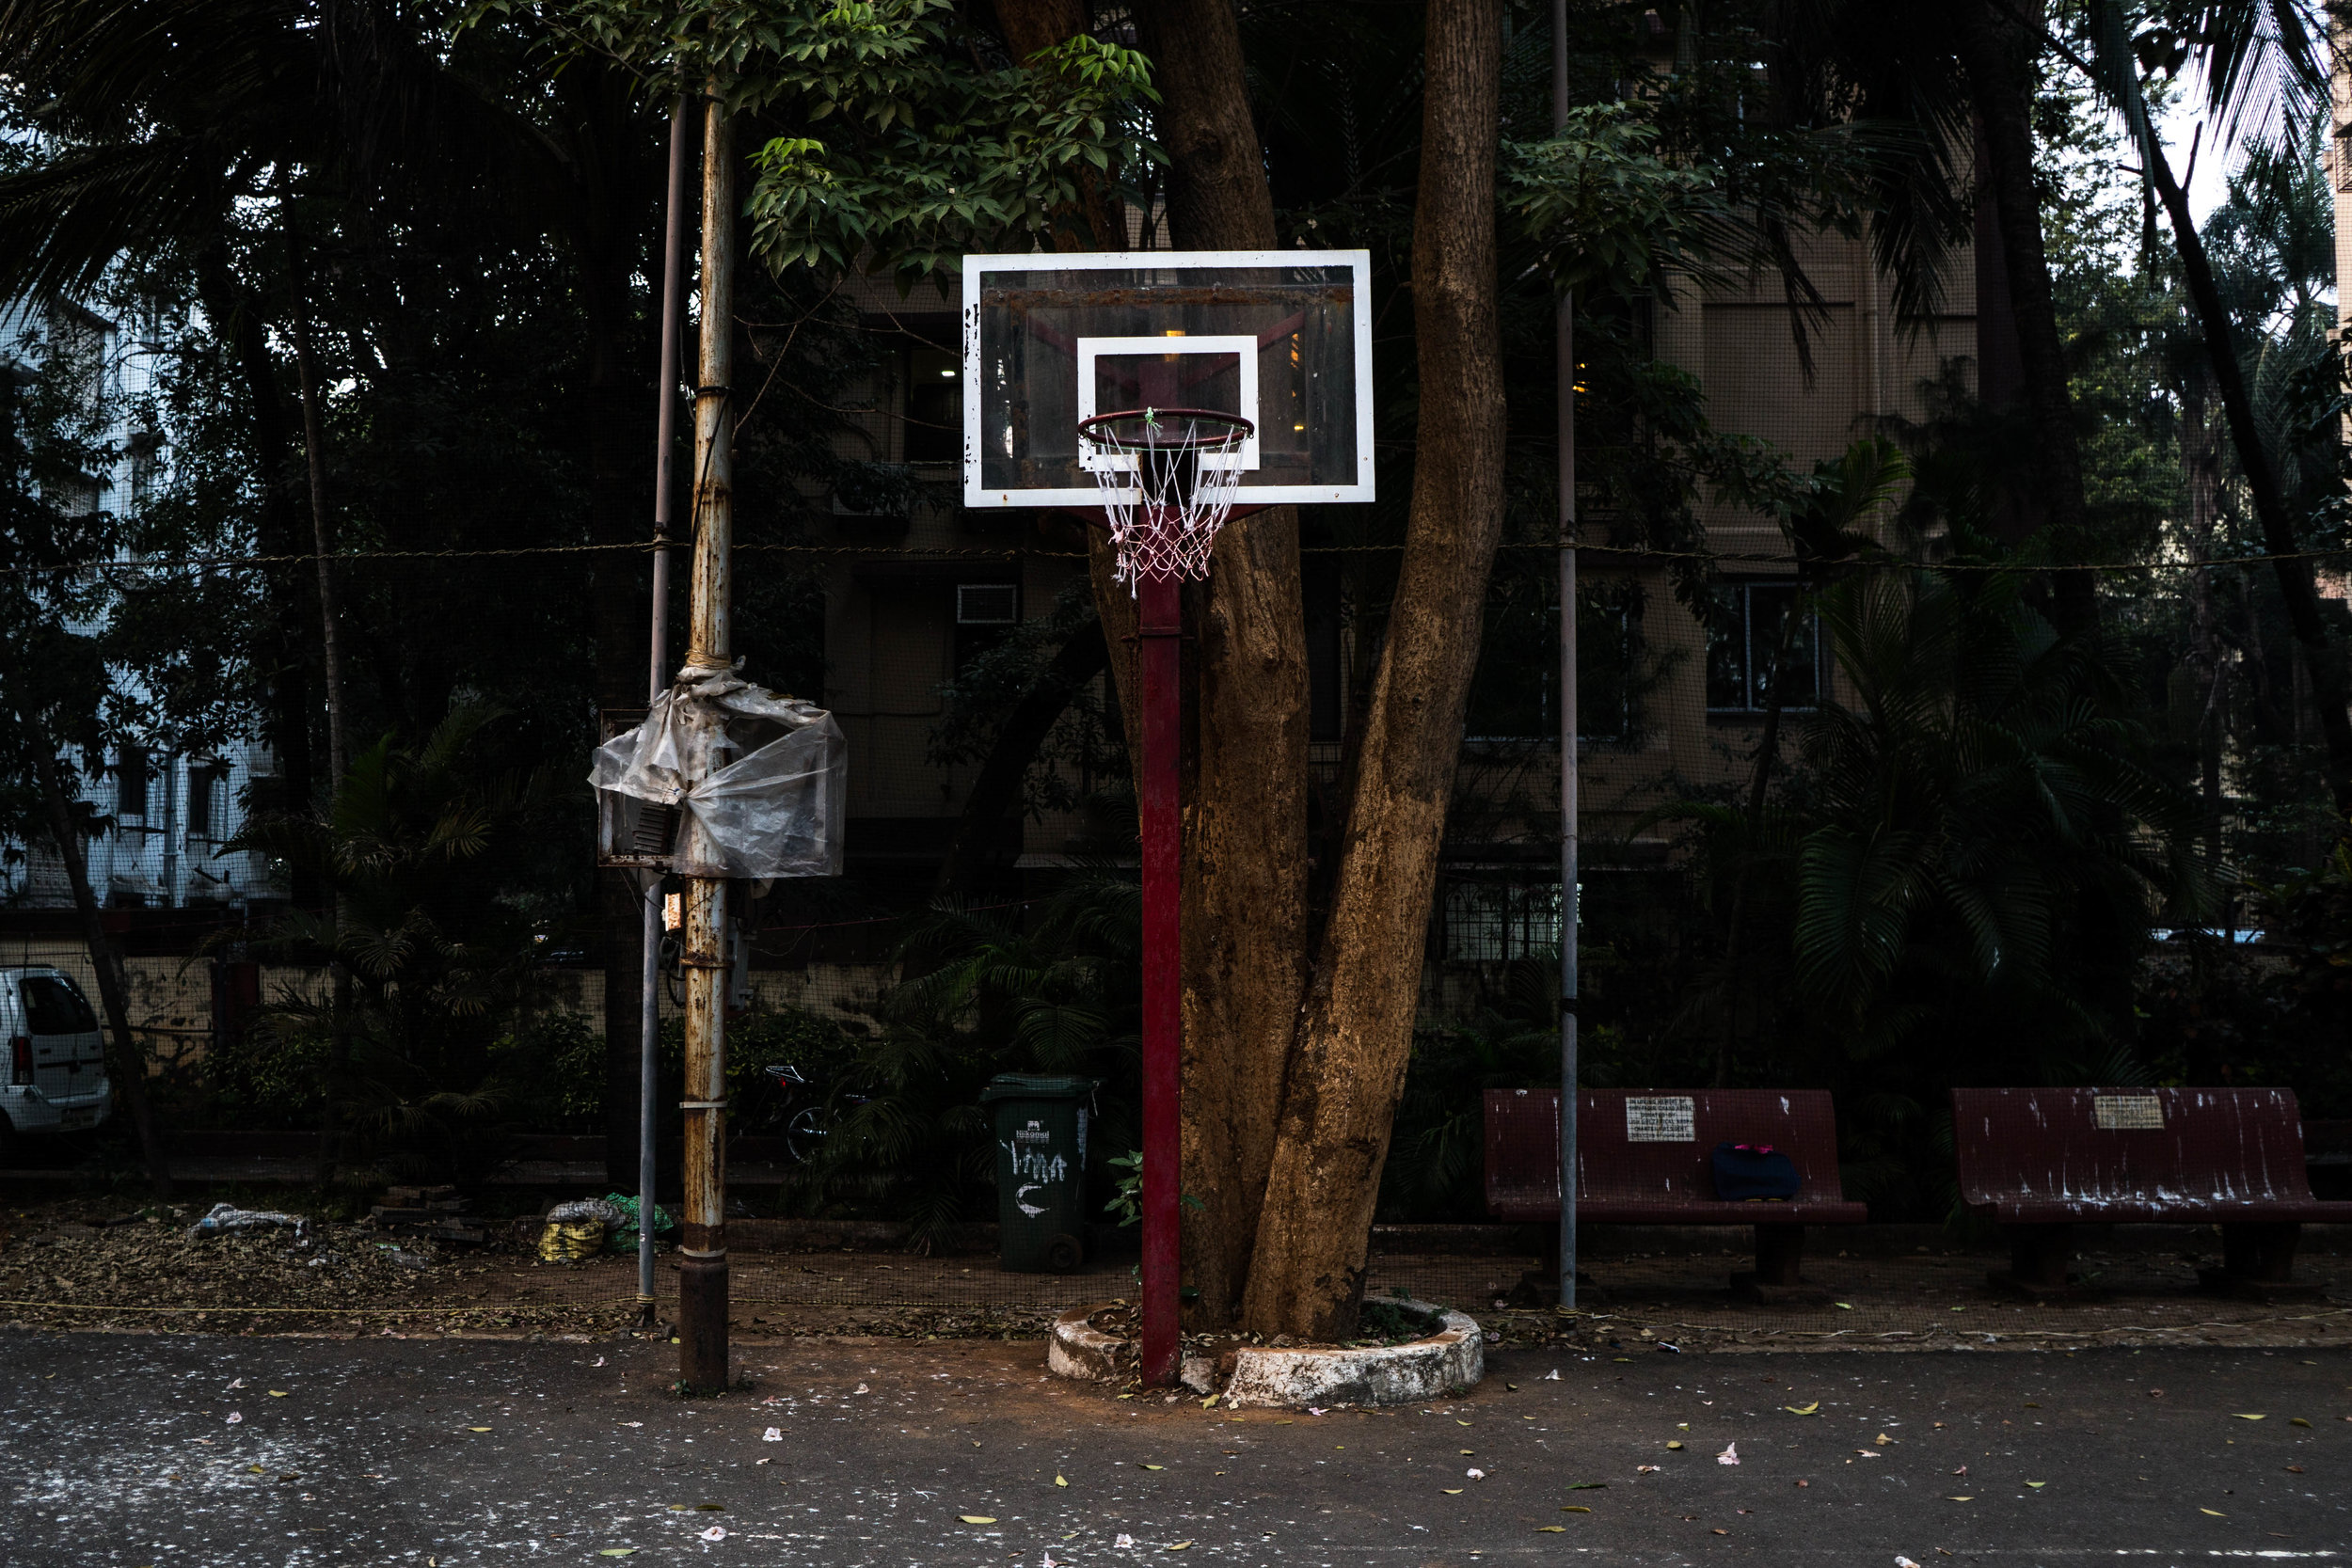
(804, 1135)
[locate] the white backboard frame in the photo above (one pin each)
(1359, 263)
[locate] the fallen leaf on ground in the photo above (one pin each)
(1552, 1530)
(1593, 1485)
(1475, 1474)
(1646, 1469)
(234, 1417)
(978, 1518)
(1450, 1491)
(1882, 1440)
(716, 1533)
(773, 1434)
(618, 1551)
(2243, 1416)
(1061, 1481)
(2036, 1485)
(1730, 1454)
(477, 1429)
(1843, 1306)
(1723, 1532)
(2295, 1470)
(1178, 1545)
(1552, 1376)
(2214, 1511)
(278, 1393)
(1156, 1466)
(632, 1423)
(1672, 1444)
(1574, 1507)
(1812, 1409)
(2296, 1422)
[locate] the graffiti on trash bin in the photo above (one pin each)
(1034, 1167)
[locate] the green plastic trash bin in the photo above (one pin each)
(1040, 1170)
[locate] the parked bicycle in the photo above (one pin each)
(791, 1105)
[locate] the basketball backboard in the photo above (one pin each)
(1282, 338)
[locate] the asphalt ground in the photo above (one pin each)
(190, 1450)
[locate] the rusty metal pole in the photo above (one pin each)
(703, 1255)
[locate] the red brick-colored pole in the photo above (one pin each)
(1159, 623)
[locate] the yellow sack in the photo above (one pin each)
(569, 1241)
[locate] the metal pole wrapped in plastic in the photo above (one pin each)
(1170, 488)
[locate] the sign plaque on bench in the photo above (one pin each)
(1658, 1119)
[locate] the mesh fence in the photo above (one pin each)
(1816, 591)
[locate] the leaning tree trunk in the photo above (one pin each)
(1993, 49)
(126, 1064)
(1355, 1031)
(2279, 537)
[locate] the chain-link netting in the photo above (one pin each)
(1896, 770)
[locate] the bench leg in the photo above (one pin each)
(1779, 1254)
(2038, 1259)
(2258, 1260)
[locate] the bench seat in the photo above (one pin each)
(1643, 1157)
(2039, 1162)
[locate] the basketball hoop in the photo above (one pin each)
(1169, 484)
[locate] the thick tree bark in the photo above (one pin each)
(1307, 1272)
(1994, 43)
(996, 792)
(2279, 537)
(1246, 863)
(126, 1064)
(1031, 26)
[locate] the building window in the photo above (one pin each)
(1499, 921)
(985, 611)
(204, 802)
(934, 407)
(1744, 627)
(131, 782)
(1513, 696)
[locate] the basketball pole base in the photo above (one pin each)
(1160, 628)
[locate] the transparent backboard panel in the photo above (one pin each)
(1281, 339)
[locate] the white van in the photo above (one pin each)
(53, 1077)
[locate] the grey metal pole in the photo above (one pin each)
(1565, 351)
(703, 1249)
(665, 426)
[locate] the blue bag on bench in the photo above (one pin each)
(1753, 1172)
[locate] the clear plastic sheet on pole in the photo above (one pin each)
(724, 779)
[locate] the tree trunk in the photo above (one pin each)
(126, 1064)
(1356, 1033)
(1031, 26)
(1244, 862)
(1994, 49)
(286, 641)
(2279, 537)
(330, 646)
(996, 792)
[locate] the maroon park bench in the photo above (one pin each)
(2043, 1160)
(1642, 1157)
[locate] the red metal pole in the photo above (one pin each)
(1159, 623)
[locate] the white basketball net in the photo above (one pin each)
(1171, 493)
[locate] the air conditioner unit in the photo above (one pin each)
(987, 604)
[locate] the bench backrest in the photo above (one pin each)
(1651, 1144)
(2126, 1145)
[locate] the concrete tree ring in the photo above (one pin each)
(1267, 1377)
